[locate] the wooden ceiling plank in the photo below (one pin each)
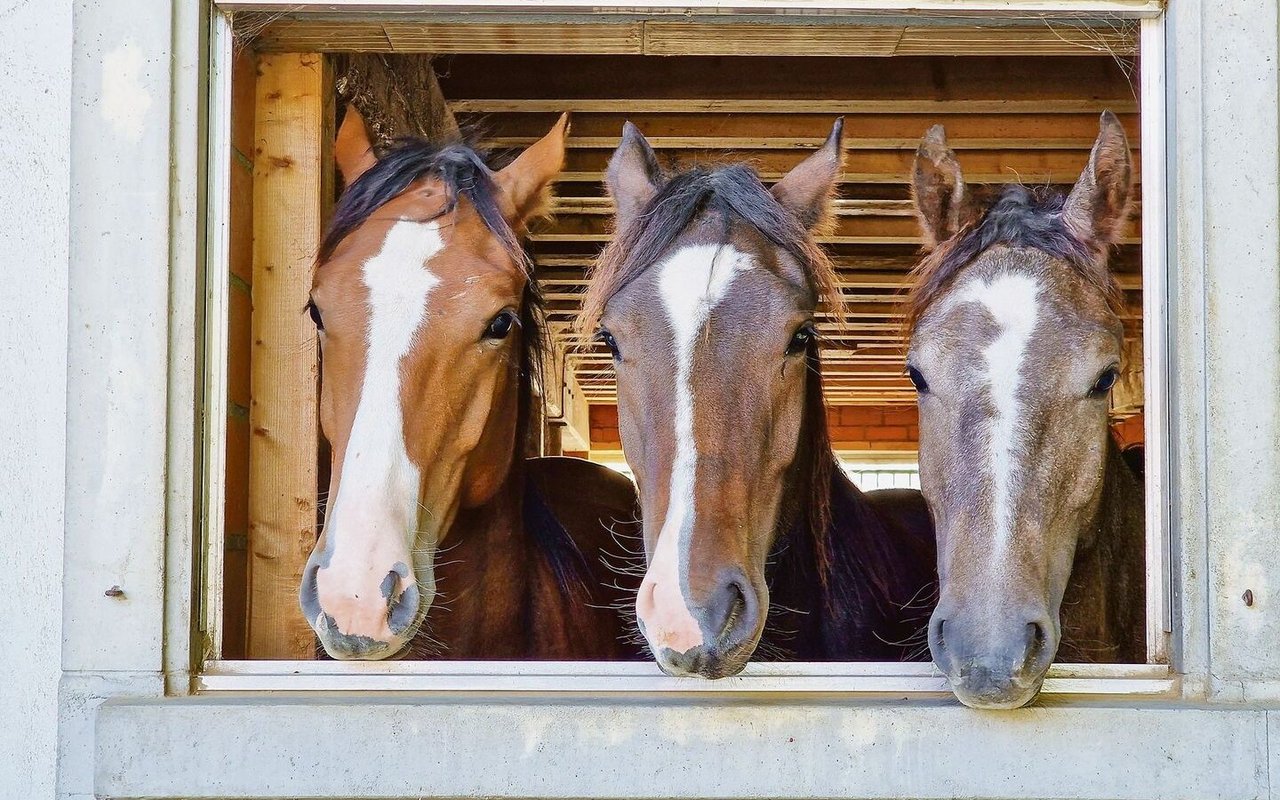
(612, 38)
(797, 143)
(1029, 177)
(1119, 105)
(666, 38)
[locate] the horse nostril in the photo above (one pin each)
(737, 607)
(937, 640)
(308, 596)
(402, 608)
(1037, 645)
(388, 588)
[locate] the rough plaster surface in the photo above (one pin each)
(35, 103)
(646, 748)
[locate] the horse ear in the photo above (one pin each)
(524, 181)
(633, 174)
(1098, 205)
(806, 190)
(352, 149)
(937, 188)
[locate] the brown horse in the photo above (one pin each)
(707, 298)
(427, 316)
(1015, 344)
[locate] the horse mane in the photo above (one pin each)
(849, 538)
(458, 166)
(733, 192)
(1017, 216)
(563, 555)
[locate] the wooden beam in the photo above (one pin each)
(235, 586)
(697, 38)
(560, 279)
(574, 422)
(1118, 105)
(833, 240)
(475, 36)
(1050, 39)
(801, 143)
(950, 9)
(694, 37)
(478, 36)
(687, 37)
(396, 95)
(1029, 177)
(888, 165)
(289, 184)
(1017, 127)
(840, 208)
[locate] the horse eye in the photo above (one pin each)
(315, 315)
(500, 327)
(801, 339)
(609, 342)
(917, 380)
(1104, 382)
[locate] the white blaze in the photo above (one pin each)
(692, 282)
(373, 520)
(1010, 299)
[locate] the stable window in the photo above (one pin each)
(1019, 94)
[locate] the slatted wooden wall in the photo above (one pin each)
(1009, 119)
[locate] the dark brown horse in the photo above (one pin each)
(707, 297)
(427, 312)
(1015, 344)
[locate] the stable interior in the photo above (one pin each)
(1018, 103)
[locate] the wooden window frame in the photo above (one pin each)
(1154, 679)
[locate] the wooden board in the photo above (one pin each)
(239, 346)
(667, 37)
(289, 188)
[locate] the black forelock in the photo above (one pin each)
(458, 166)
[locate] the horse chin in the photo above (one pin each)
(345, 647)
(348, 647)
(986, 695)
(698, 663)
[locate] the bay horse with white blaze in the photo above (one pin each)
(1015, 344)
(707, 298)
(427, 315)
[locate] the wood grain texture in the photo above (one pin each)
(235, 592)
(685, 37)
(288, 189)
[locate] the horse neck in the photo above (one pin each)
(483, 577)
(1104, 606)
(856, 602)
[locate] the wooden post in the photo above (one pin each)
(396, 94)
(235, 582)
(289, 186)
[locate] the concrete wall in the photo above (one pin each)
(35, 103)
(130, 399)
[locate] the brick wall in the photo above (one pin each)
(890, 428)
(1129, 430)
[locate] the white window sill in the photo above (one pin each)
(579, 678)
